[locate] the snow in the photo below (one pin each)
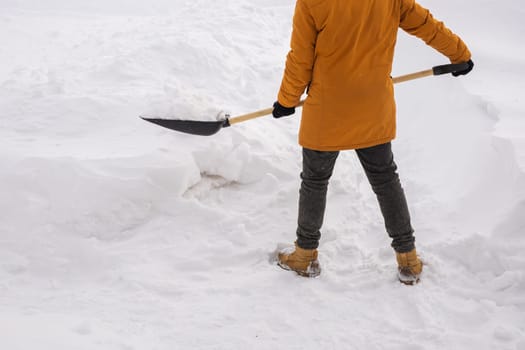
(118, 234)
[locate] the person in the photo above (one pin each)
(342, 53)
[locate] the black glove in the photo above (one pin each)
(465, 71)
(281, 111)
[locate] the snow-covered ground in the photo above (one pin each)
(118, 234)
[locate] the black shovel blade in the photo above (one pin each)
(194, 127)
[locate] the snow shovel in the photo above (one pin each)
(207, 128)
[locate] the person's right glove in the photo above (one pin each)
(464, 71)
(280, 111)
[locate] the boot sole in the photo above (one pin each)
(408, 280)
(313, 270)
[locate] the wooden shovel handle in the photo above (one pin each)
(257, 114)
(413, 76)
(438, 70)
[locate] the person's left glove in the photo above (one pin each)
(464, 71)
(280, 111)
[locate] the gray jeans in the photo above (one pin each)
(380, 168)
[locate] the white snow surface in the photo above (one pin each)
(119, 234)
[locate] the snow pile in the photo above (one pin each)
(118, 234)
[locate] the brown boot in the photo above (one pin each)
(409, 267)
(302, 261)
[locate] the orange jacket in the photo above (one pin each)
(343, 50)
